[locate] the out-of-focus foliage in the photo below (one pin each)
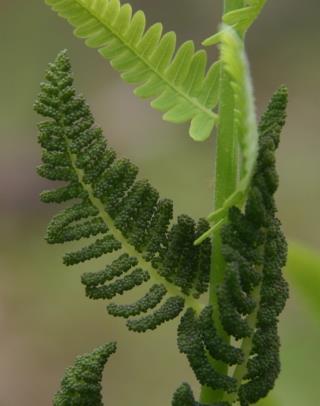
(303, 270)
(270, 401)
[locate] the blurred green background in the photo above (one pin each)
(45, 318)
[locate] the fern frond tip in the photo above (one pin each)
(81, 385)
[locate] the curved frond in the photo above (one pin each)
(81, 385)
(253, 292)
(191, 344)
(254, 241)
(117, 212)
(176, 79)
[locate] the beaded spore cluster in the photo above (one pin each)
(81, 385)
(125, 215)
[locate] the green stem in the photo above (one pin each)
(230, 5)
(225, 184)
(226, 177)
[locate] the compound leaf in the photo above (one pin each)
(120, 214)
(175, 78)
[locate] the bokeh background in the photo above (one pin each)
(45, 319)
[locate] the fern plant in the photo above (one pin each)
(237, 253)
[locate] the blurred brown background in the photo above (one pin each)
(45, 319)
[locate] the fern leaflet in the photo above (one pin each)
(177, 80)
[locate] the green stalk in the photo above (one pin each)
(225, 184)
(230, 5)
(226, 177)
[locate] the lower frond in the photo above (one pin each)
(81, 385)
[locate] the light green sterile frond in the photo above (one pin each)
(81, 384)
(239, 19)
(234, 62)
(120, 214)
(242, 19)
(176, 79)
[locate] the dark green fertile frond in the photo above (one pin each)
(190, 343)
(118, 212)
(81, 385)
(149, 301)
(253, 292)
(263, 364)
(215, 345)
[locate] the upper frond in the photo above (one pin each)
(176, 79)
(81, 385)
(119, 213)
